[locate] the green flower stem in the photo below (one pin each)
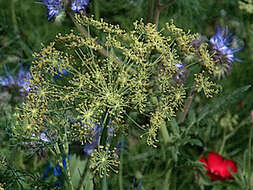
(165, 134)
(224, 139)
(57, 149)
(69, 181)
(250, 149)
(158, 8)
(140, 127)
(66, 152)
(103, 127)
(84, 174)
(13, 16)
(151, 5)
(104, 184)
(96, 9)
(187, 106)
(121, 171)
(103, 51)
(166, 184)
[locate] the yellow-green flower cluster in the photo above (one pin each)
(246, 5)
(204, 83)
(1, 187)
(103, 161)
(107, 78)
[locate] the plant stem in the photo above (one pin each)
(70, 184)
(104, 184)
(13, 17)
(165, 134)
(158, 8)
(96, 9)
(84, 174)
(103, 51)
(66, 153)
(67, 171)
(150, 11)
(250, 149)
(167, 177)
(156, 12)
(120, 171)
(223, 141)
(187, 106)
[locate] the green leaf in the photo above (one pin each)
(77, 167)
(195, 142)
(222, 102)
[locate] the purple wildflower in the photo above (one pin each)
(54, 7)
(44, 137)
(78, 5)
(21, 80)
(223, 52)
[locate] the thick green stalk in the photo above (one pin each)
(158, 8)
(166, 184)
(13, 16)
(165, 134)
(186, 106)
(66, 152)
(69, 181)
(223, 141)
(104, 184)
(150, 9)
(121, 171)
(67, 170)
(84, 174)
(96, 9)
(156, 12)
(250, 149)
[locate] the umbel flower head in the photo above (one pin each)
(103, 161)
(223, 52)
(21, 80)
(218, 168)
(135, 74)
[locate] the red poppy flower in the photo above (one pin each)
(217, 167)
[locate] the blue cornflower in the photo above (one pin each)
(95, 135)
(223, 52)
(54, 7)
(78, 5)
(21, 80)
